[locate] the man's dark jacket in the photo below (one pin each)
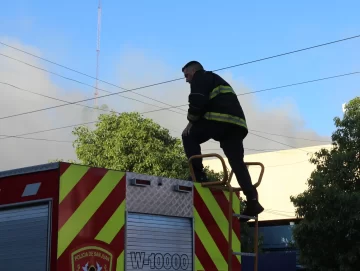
(211, 97)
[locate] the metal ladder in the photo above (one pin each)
(225, 185)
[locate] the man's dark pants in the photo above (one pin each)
(231, 141)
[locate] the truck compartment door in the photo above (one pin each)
(155, 242)
(24, 238)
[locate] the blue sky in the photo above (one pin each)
(217, 35)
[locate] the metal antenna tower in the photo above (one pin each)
(97, 51)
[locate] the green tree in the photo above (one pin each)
(329, 235)
(130, 142)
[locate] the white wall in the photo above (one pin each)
(286, 174)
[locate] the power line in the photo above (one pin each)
(279, 142)
(279, 87)
(168, 81)
(68, 68)
(45, 96)
(54, 129)
(278, 213)
(228, 67)
(79, 82)
(57, 99)
(49, 130)
(66, 103)
(67, 141)
(285, 86)
(53, 98)
(40, 139)
(49, 97)
(307, 139)
(88, 85)
(151, 111)
(171, 107)
(92, 122)
(288, 53)
(301, 83)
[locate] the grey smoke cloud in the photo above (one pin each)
(16, 152)
(280, 119)
(135, 69)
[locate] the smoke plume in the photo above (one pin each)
(134, 69)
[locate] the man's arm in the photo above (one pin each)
(198, 97)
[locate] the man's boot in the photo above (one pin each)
(253, 208)
(200, 177)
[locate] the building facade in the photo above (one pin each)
(286, 174)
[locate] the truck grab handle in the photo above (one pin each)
(250, 164)
(225, 178)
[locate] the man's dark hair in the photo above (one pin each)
(193, 64)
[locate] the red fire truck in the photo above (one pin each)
(62, 216)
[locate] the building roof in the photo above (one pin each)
(31, 169)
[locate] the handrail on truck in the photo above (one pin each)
(225, 184)
(225, 178)
(249, 164)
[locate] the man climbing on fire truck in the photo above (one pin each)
(215, 113)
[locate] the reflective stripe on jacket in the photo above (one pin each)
(225, 118)
(214, 99)
(221, 90)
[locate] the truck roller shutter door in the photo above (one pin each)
(157, 242)
(24, 238)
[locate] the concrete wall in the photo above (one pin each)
(286, 174)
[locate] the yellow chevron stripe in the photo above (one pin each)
(87, 209)
(198, 265)
(218, 215)
(70, 178)
(236, 202)
(120, 262)
(236, 208)
(209, 243)
(113, 225)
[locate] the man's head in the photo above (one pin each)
(190, 68)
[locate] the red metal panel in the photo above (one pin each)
(91, 219)
(12, 188)
(211, 209)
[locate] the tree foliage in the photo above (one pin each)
(329, 235)
(130, 142)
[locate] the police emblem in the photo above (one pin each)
(91, 258)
